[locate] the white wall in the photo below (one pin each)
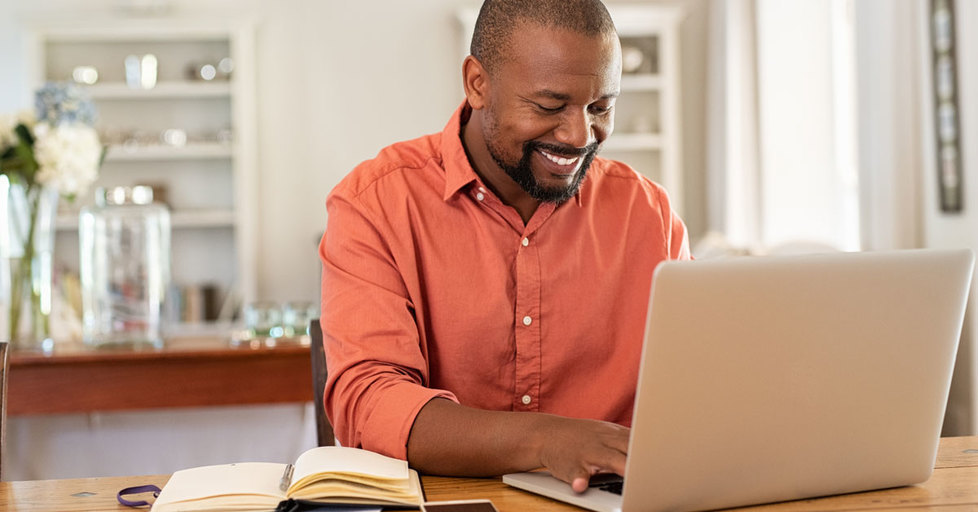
(366, 74)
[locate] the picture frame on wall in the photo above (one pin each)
(946, 109)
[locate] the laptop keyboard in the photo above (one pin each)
(607, 482)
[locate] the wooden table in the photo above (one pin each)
(187, 373)
(952, 488)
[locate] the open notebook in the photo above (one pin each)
(327, 474)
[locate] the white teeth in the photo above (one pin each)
(558, 160)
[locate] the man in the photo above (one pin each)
(485, 288)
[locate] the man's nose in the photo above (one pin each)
(576, 129)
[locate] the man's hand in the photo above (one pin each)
(450, 439)
(574, 449)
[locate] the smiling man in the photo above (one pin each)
(485, 288)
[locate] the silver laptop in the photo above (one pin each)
(768, 379)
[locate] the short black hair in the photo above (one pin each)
(498, 18)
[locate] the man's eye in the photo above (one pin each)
(598, 109)
(550, 110)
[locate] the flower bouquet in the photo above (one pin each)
(46, 154)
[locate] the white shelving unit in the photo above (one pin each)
(165, 153)
(647, 132)
(209, 181)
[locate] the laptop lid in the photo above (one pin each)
(776, 378)
(779, 378)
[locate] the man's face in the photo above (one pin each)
(550, 106)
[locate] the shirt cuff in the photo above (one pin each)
(388, 426)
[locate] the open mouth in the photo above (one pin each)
(561, 165)
(560, 160)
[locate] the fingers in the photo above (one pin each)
(577, 449)
(580, 484)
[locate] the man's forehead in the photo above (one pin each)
(543, 59)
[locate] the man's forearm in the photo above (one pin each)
(451, 439)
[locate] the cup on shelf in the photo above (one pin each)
(86, 75)
(141, 71)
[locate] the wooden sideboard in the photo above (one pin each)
(186, 373)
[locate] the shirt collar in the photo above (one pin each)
(458, 170)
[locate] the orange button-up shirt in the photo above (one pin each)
(432, 287)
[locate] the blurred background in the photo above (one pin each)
(777, 126)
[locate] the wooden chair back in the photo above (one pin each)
(4, 367)
(324, 431)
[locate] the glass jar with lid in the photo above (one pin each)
(124, 246)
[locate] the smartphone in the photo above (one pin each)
(459, 506)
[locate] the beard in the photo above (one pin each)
(522, 173)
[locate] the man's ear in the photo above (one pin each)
(475, 80)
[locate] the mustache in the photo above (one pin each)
(560, 150)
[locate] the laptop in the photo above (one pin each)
(769, 379)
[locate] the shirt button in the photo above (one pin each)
(526, 399)
(480, 196)
(481, 189)
(527, 320)
(525, 242)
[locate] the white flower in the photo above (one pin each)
(67, 156)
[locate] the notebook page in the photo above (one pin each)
(339, 459)
(248, 478)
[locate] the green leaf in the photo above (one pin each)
(25, 135)
(25, 154)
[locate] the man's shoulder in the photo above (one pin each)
(392, 161)
(612, 175)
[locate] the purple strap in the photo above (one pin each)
(137, 490)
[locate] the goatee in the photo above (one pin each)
(522, 173)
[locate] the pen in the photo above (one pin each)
(287, 477)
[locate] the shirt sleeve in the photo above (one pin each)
(676, 237)
(377, 371)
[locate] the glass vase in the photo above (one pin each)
(27, 247)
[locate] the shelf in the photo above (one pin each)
(118, 153)
(163, 90)
(202, 219)
(633, 142)
(186, 219)
(641, 82)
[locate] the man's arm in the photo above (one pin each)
(451, 439)
(378, 393)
